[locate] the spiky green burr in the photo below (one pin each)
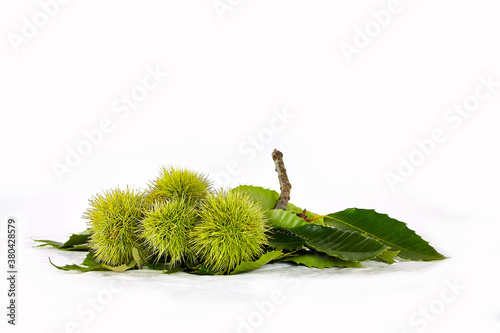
(165, 230)
(114, 223)
(178, 183)
(231, 230)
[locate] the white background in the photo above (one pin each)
(351, 121)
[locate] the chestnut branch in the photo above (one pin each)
(285, 185)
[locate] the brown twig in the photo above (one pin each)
(303, 215)
(285, 185)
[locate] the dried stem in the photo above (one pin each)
(285, 185)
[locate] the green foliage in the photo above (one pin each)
(342, 244)
(178, 183)
(138, 257)
(267, 199)
(284, 239)
(264, 259)
(114, 224)
(231, 230)
(388, 256)
(183, 226)
(121, 268)
(165, 230)
(88, 265)
(320, 260)
(202, 270)
(345, 245)
(284, 219)
(389, 231)
(76, 242)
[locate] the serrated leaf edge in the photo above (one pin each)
(384, 241)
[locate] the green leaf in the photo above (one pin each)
(163, 266)
(283, 239)
(345, 245)
(321, 260)
(297, 210)
(76, 242)
(265, 197)
(202, 270)
(89, 265)
(137, 258)
(49, 243)
(174, 270)
(90, 260)
(387, 256)
(284, 219)
(251, 265)
(269, 198)
(77, 239)
(75, 267)
(388, 231)
(121, 268)
(294, 209)
(342, 244)
(77, 248)
(156, 266)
